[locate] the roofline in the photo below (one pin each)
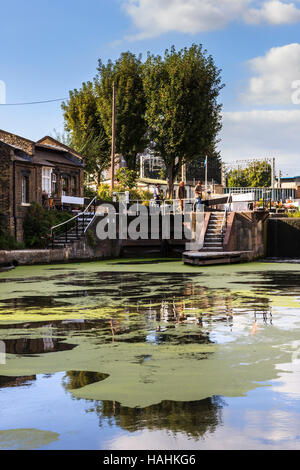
(16, 135)
(68, 149)
(55, 149)
(288, 177)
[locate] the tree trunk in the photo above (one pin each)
(170, 181)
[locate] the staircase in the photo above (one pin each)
(75, 233)
(213, 240)
(66, 233)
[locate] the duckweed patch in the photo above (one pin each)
(26, 439)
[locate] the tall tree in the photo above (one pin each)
(83, 122)
(126, 73)
(182, 111)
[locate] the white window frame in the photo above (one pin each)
(47, 180)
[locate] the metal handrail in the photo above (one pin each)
(75, 217)
(224, 222)
(72, 219)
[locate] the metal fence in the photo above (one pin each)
(275, 194)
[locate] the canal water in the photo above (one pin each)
(150, 354)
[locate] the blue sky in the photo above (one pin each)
(50, 47)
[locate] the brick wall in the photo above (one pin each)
(5, 163)
(24, 144)
(34, 175)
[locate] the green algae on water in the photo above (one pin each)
(26, 439)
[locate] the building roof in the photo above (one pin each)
(289, 178)
(16, 135)
(160, 182)
(50, 156)
(57, 144)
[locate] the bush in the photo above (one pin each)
(37, 225)
(104, 192)
(127, 178)
(135, 194)
(89, 192)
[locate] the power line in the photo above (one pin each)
(32, 102)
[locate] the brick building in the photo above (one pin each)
(39, 172)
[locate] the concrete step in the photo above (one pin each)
(207, 248)
(209, 238)
(211, 245)
(213, 232)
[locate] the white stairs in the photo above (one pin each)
(213, 240)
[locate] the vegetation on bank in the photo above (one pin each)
(37, 225)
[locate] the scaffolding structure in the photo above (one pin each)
(241, 165)
(155, 163)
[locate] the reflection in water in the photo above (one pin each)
(145, 314)
(80, 378)
(26, 346)
(16, 381)
(191, 418)
(276, 282)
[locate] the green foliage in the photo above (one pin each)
(89, 192)
(104, 192)
(126, 73)
(37, 225)
(295, 214)
(140, 195)
(91, 239)
(182, 112)
(88, 135)
(169, 103)
(63, 137)
(135, 194)
(257, 175)
(127, 178)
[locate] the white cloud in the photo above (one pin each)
(274, 74)
(263, 134)
(273, 12)
(254, 429)
(155, 17)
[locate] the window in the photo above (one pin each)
(46, 180)
(53, 183)
(25, 190)
(73, 185)
(65, 186)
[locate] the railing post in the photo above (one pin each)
(83, 223)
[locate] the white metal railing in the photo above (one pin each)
(224, 222)
(76, 217)
(263, 192)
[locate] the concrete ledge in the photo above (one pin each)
(203, 258)
(78, 251)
